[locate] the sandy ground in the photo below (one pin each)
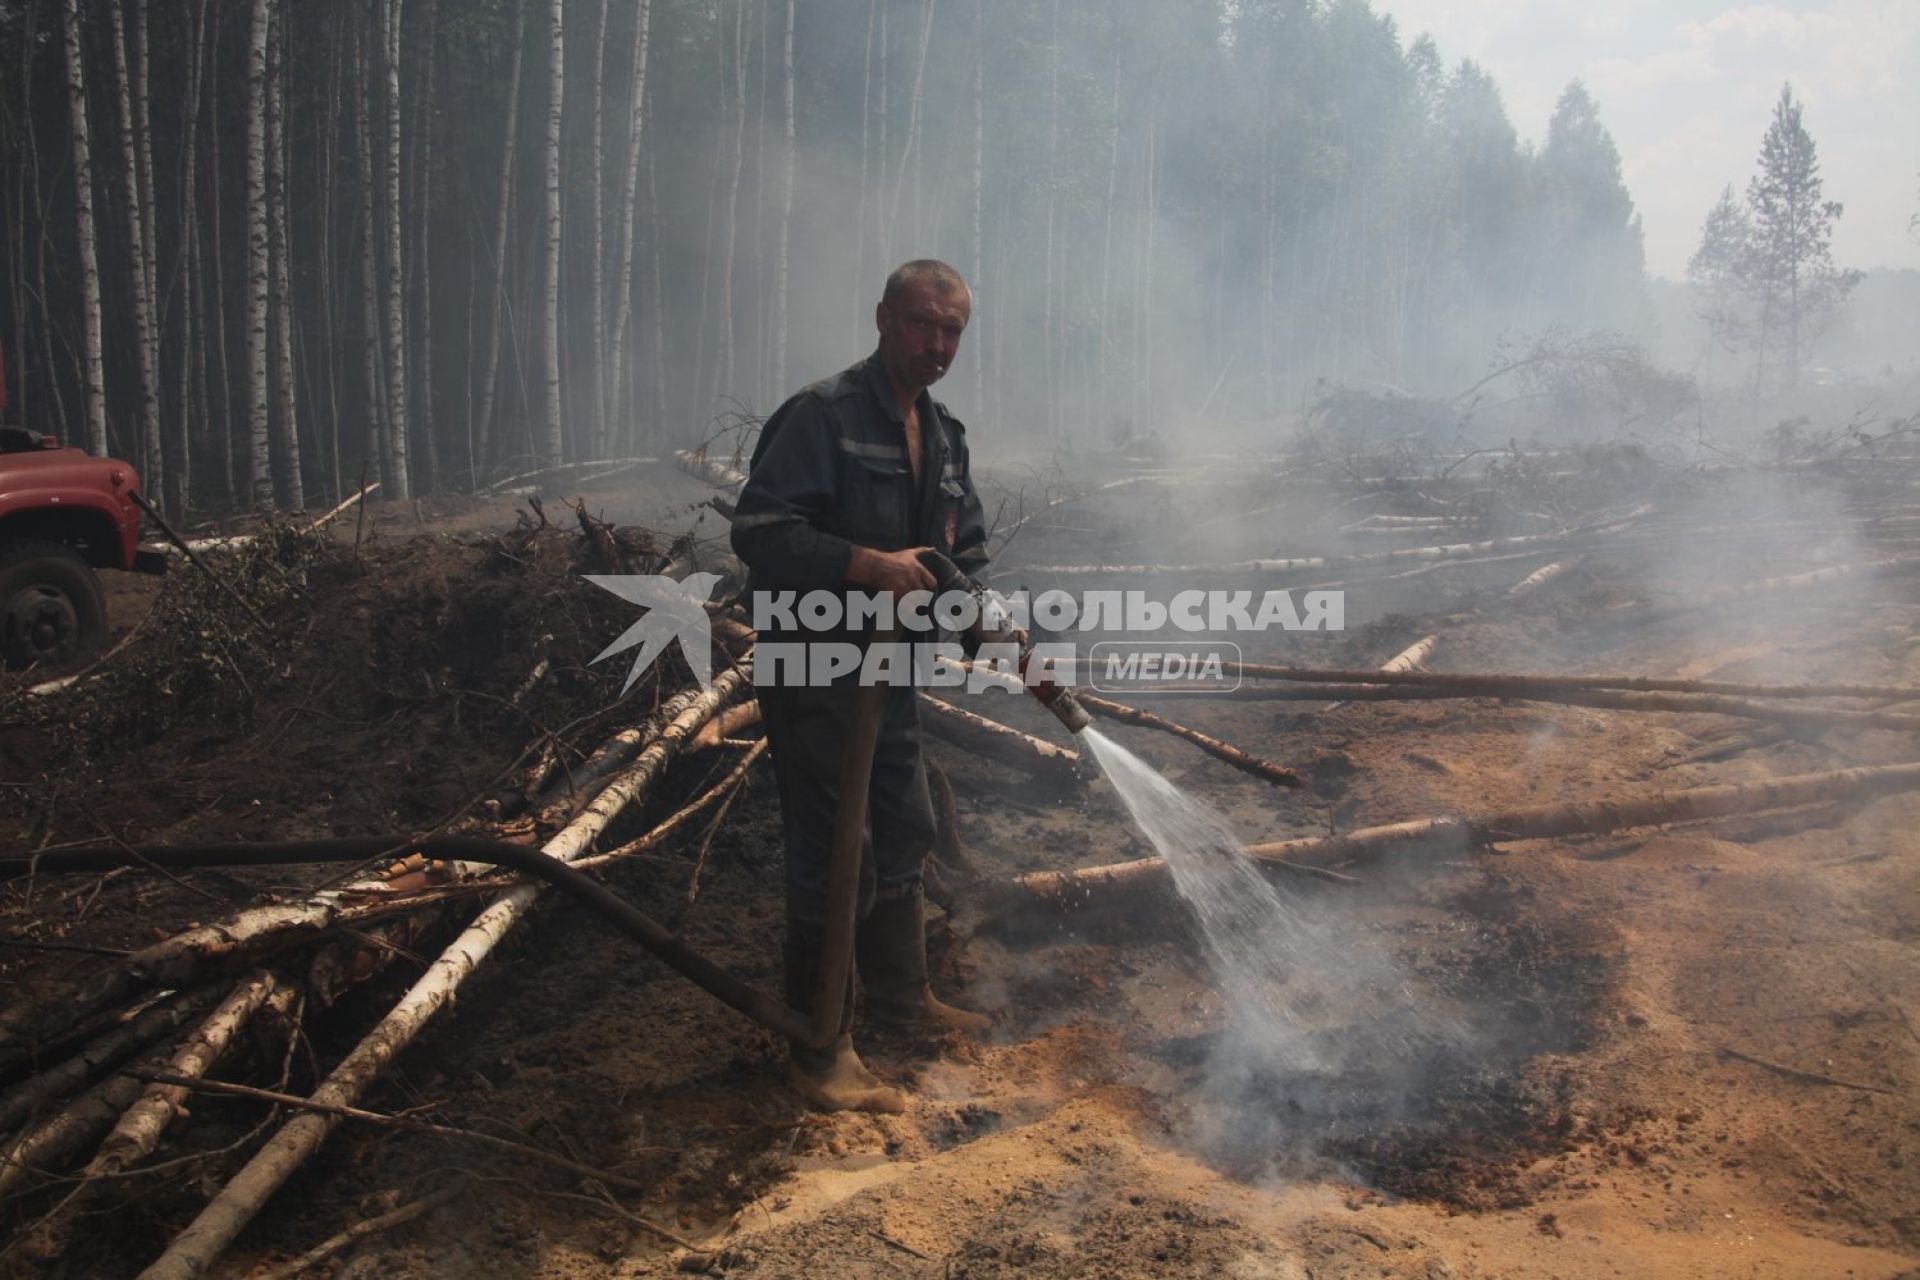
(1686, 1052)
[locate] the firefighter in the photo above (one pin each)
(851, 478)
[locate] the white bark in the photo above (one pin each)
(786, 216)
(280, 310)
(503, 221)
(147, 433)
(195, 1249)
(401, 486)
(93, 375)
(597, 238)
(140, 1129)
(372, 370)
(553, 444)
(622, 402)
(259, 477)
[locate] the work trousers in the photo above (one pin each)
(807, 730)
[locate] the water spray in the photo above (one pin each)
(993, 625)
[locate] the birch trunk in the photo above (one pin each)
(219, 436)
(553, 443)
(619, 396)
(93, 372)
(259, 476)
(503, 221)
(193, 360)
(280, 312)
(401, 486)
(786, 212)
(1053, 166)
(860, 214)
(371, 367)
(596, 228)
(195, 1249)
(429, 460)
(33, 191)
(147, 432)
(723, 370)
(1106, 238)
(976, 226)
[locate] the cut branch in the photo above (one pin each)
(1055, 894)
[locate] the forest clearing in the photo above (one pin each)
(1409, 774)
(1676, 1033)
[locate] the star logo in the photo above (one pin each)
(676, 610)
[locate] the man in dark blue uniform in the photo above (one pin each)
(851, 479)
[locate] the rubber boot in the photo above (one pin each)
(890, 950)
(834, 1078)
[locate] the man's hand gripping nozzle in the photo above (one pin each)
(992, 626)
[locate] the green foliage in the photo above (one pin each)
(1789, 270)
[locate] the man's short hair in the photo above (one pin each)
(922, 271)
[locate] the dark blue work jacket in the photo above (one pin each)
(831, 471)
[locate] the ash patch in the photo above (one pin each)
(1442, 1094)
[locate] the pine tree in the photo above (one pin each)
(1593, 263)
(1717, 273)
(1790, 269)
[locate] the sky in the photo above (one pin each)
(1687, 88)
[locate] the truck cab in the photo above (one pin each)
(64, 514)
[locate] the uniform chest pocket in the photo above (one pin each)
(877, 499)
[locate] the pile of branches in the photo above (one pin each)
(213, 639)
(98, 1067)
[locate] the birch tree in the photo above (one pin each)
(622, 398)
(396, 275)
(147, 432)
(786, 211)
(280, 312)
(92, 367)
(259, 477)
(503, 221)
(373, 367)
(553, 442)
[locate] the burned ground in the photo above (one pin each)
(1677, 1051)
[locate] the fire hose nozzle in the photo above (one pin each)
(992, 626)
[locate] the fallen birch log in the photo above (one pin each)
(139, 1131)
(587, 468)
(728, 724)
(685, 815)
(195, 1249)
(193, 955)
(53, 1144)
(1608, 699)
(1539, 578)
(1011, 746)
(31, 1096)
(1412, 658)
(1244, 761)
(1050, 895)
(140, 1128)
(696, 463)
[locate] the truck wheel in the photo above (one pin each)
(51, 607)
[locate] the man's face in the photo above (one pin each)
(920, 333)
